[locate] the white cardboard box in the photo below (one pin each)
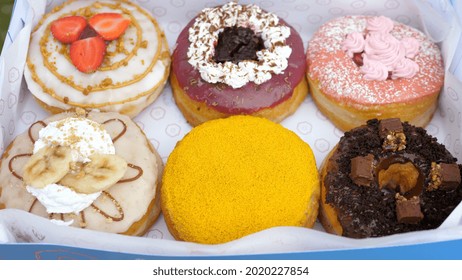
(164, 125)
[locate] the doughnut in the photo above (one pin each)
(228, 178)
(257, 66)
(88, 170)
(387, 177)
(364, 67)
(92, 68)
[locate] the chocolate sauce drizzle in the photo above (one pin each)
(120, 211)
(140, 173)
(32, 205)
(123, 130)
(106, 215)
(10, 165)
(29, 131)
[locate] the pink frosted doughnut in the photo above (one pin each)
(348, 93)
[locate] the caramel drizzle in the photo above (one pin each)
(106, 215)
(29, 131)
(52, 68)
(140, 173)
(10, 165)
(123, 130)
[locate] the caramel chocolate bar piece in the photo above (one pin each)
(450, 176)
(392, 133)
(408, 210)
(362, 168)
(390, 126)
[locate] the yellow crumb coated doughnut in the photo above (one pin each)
(231, 177)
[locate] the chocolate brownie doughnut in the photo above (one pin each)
(388, 177)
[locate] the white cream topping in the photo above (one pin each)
(62, 223)
(85, 138)
(61, 199)
(203, 36)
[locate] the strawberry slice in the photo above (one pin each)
(358, 59)
(87, 54)
(109, 25)
(68, 29)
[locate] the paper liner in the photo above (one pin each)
(164, 125)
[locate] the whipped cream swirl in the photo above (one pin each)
(374, 70)
(85, 138)
(411, 46)
(204, 34)
(380, 24)
(60, 199)
(382, 51)
(406, 68)
(384, 48)
(354, 43)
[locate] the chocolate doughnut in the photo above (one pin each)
(388, 177)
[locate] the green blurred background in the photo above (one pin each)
(6, 7)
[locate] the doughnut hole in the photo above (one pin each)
(404, 176)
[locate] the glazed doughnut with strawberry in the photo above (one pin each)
(365, 67)
(89, 170)
(106, 55)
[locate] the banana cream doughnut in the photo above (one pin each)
(364, 67)
(238, 60)
(107, 55)
(97, 171)
(231, 177)
(388, 177)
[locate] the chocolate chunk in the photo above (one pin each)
(450, 176)
(362, 170)
(391, 131)
(237, 44)
(87, 33)
(444, 176)
(408, 210)
(389, 126)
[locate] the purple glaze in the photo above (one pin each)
(249, 98)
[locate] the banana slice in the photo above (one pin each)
(47, 166)
(99, 174)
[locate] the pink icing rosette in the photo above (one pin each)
(353, 43)
(384, 52)
(373, 69)
(406, 68)
(385, 48)
(411, 46)
(379, 24)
